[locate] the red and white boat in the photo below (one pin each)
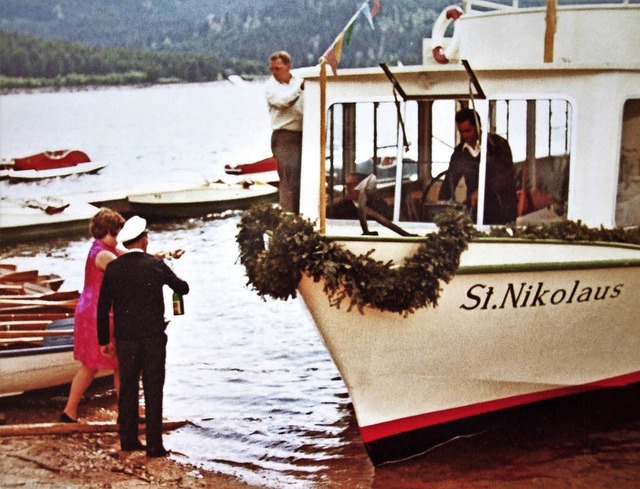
(48, 164)
(523, 320)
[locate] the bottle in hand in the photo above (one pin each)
(178, 304)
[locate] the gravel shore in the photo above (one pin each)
(87, 459)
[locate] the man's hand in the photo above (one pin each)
(177, 253)
(108, 350)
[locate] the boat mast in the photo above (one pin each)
(550, 31)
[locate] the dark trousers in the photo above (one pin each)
(287, 148)
(144, 357)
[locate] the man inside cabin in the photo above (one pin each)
(500, 204)
(284, 98)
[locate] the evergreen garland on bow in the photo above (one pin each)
(276, 248)
(274, 268)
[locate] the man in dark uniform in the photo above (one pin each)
(500, 204)
(132, 285)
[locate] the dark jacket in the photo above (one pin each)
(501, 205)
(132, 284)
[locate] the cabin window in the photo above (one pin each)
(628, 200)
(365, 138)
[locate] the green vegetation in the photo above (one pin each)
(150, 41)
(32, 62)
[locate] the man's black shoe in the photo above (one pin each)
(156, 452)
(132, 447)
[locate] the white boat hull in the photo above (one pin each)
(40, 367)
(36, 371)
(564, 321)
(19, 222)
(201, 200)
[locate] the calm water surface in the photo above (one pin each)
(267, 403)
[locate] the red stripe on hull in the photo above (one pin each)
(395, 427)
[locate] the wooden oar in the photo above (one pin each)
(39, 429)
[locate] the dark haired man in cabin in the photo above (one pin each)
(500, 204)
(132, 286)
(284, 98)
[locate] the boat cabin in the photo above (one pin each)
(572, 123)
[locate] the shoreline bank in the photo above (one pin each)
(70, 461)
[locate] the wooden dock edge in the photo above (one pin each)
(39, 429)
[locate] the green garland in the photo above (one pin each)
(294, 248)
(569, 231)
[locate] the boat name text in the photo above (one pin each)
(483, 296)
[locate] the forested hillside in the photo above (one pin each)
(201, 39)
(236, 31)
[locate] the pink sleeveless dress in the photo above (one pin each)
(85, 337)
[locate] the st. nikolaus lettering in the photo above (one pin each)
(524, 294)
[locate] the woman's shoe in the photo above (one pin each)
(65, 418)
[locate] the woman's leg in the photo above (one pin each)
(81, 381)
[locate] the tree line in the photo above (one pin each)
(29, 61)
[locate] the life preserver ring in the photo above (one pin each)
(440, 54)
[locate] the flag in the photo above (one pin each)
(334, 52)
(367, 13)
(375, 8)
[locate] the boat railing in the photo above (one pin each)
(469, 5)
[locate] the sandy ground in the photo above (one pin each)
(87, 460)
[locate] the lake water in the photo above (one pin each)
(266, 402)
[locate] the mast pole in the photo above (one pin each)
(323, 145)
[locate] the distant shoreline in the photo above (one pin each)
(93, 87)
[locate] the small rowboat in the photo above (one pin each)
(48, 164)
(32, 359)
(202, 200)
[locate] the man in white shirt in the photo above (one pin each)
(284, 97)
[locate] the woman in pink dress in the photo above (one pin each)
(104, 227)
